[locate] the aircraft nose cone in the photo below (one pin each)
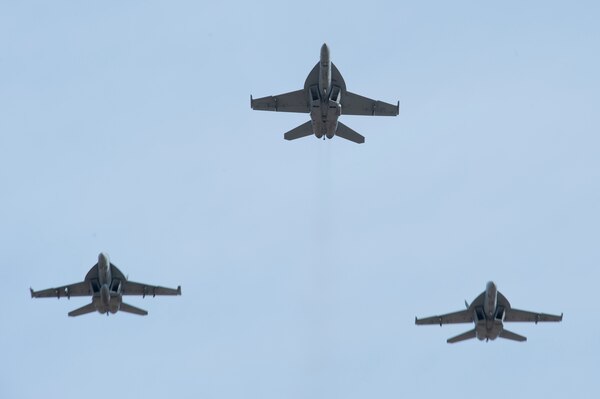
(102, 258)
(491, 285)
(324, 51)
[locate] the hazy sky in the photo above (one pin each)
(126, 127)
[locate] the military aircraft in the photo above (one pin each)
(488, 311)
(325, 97)
(106, 285)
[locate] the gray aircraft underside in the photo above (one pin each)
(325, 98)
(488, 312)
(106, 285)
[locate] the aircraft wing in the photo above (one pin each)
(525, 316)
(294, 101)
(353, 104)
(462, 316)
(77, 289)
(132, 288)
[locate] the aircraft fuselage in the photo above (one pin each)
(103, 269)
(108, 297)
(491, 297)
(489, 317)
(324, 71)
(325, 107)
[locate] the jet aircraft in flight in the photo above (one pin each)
(325, 97)
(488, 311)
(106, 285)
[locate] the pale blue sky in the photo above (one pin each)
(126, 127)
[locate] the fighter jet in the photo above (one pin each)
(106, 285)
(488, 311)
(325, 97)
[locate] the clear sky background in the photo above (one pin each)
(126, 127)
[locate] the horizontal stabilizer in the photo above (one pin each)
(345, 132)
(132, 309)
(512, 336)
(301, 131)
(89, 308)
(462, 337)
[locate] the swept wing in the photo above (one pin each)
(78, 289)
(354, 104)
(462, 316)
(133, 288)
(526, 316)
(294, 101)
